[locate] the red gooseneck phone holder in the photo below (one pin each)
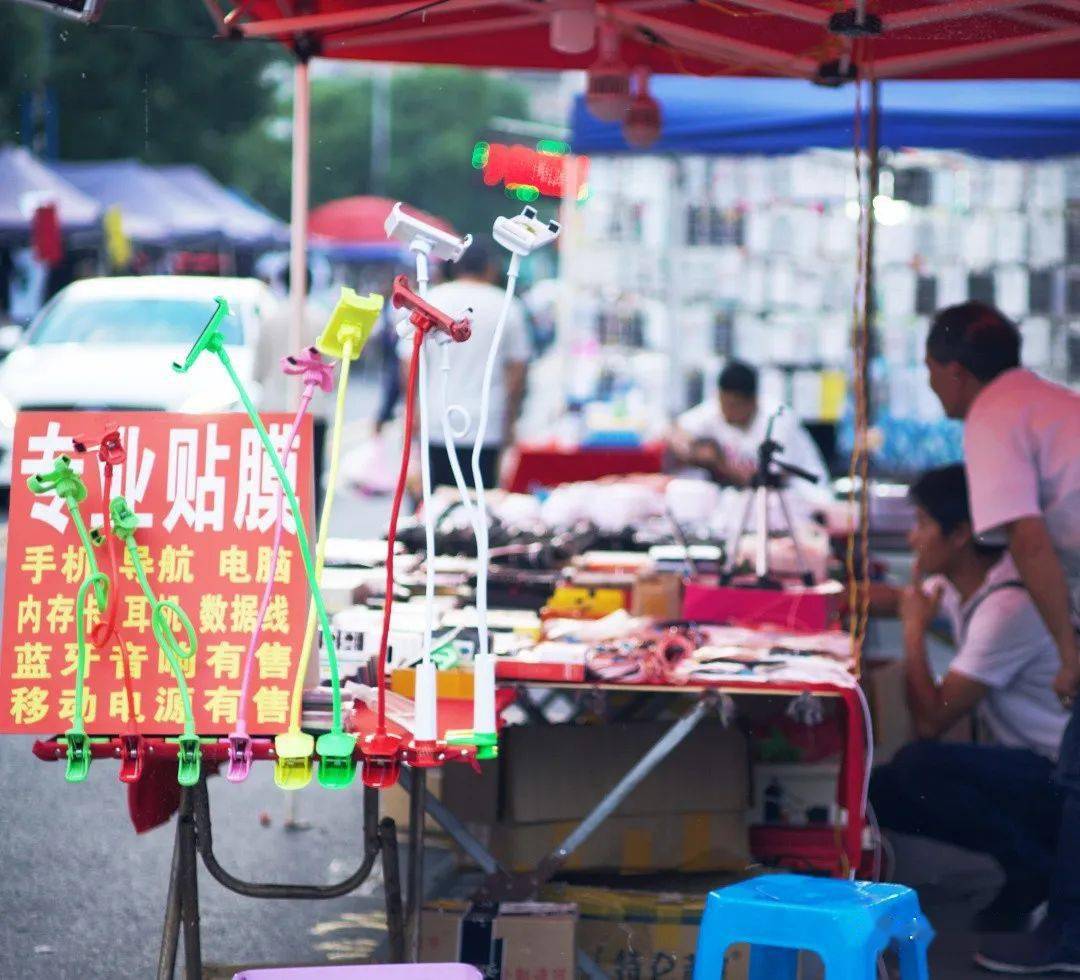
(111, 452)
(426, 317)
(383, 751)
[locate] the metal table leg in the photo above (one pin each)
(395, 918)
(415, 898)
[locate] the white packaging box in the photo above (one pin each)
(896, 291)
(897, 341)
(749, 332)
(978, 242)
(1011, 290)
(1037, 333)
(754, 294)
(1010, 237)
(951, 285)
(806, 394)
(838, 234)
(773, 387)
(781, 284)
(1046, 238)
(833, 332)
(1047, 186)
(757, 232)
(1006, 185)
(895, 243)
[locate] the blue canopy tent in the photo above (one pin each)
(26, 183)
(241, 224)
(767, 116)
(154, 210)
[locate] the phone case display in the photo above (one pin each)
(765, 247)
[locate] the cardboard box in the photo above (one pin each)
(658, 596)
(642, 935)
(684, 842)
(512, 941)
(560, 772)
(548, 778)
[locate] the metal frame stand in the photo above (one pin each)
(194, 839)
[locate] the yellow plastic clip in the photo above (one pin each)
(352, 322)
(293, 769)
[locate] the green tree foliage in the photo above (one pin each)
(436, 117)
(148, 81)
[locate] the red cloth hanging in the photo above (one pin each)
(45, 235)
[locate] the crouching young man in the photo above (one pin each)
(998, 798)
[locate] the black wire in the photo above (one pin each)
(400, 15)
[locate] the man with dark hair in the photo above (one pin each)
(997, 798)
(721, 435)
(474, 286)
(1022, 453)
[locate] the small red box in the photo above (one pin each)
(799, 607)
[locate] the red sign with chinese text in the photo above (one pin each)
(204, 491)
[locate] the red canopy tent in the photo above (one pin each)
(911, 38)
(799, 38)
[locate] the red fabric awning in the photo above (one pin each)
(917, 39)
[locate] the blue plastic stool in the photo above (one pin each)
(847, 923)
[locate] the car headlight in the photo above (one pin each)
(210, 400)
(7, 413)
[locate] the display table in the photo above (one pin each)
(539, 465)
(840, 854)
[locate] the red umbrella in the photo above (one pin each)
(359, 220)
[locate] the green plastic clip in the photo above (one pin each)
(350, 325)
(486, 743)
(61, 478)
(337, 764)
(124, 520)
(293, 767)
(188, 759)
(78, 756)
(211, 338)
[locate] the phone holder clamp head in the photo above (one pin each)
(211, 339)
(350, 325)
(425, 317)
(62, 479)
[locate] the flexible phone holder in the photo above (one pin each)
(111, 452)
(350, 325)
(78, 743)
(336, 766)
(425, 317)
(419, 235)
(316, 372)
(524, 233)
(189, 755)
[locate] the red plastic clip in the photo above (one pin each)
(382, 760)
(109, 448)
(313, 368)
(426, 317)
(132, 757)
(425, 755)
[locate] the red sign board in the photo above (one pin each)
(203, 489)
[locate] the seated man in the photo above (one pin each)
(722, 434)
(996, 798)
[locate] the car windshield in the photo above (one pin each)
(129, 320)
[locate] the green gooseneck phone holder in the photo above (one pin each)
(189, 749)
(337, 765)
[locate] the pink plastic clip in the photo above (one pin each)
(314, 369)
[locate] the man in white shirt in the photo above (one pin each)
(722, 435)
(1022, 452)
(999, 798)
(474, 286)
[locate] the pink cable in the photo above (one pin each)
(279, 521)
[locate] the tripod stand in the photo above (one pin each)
(769, 478)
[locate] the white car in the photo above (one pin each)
(108, 344)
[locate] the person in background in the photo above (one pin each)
(474, 285)
(721, 435)
(1022, 453)
(997, 798)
